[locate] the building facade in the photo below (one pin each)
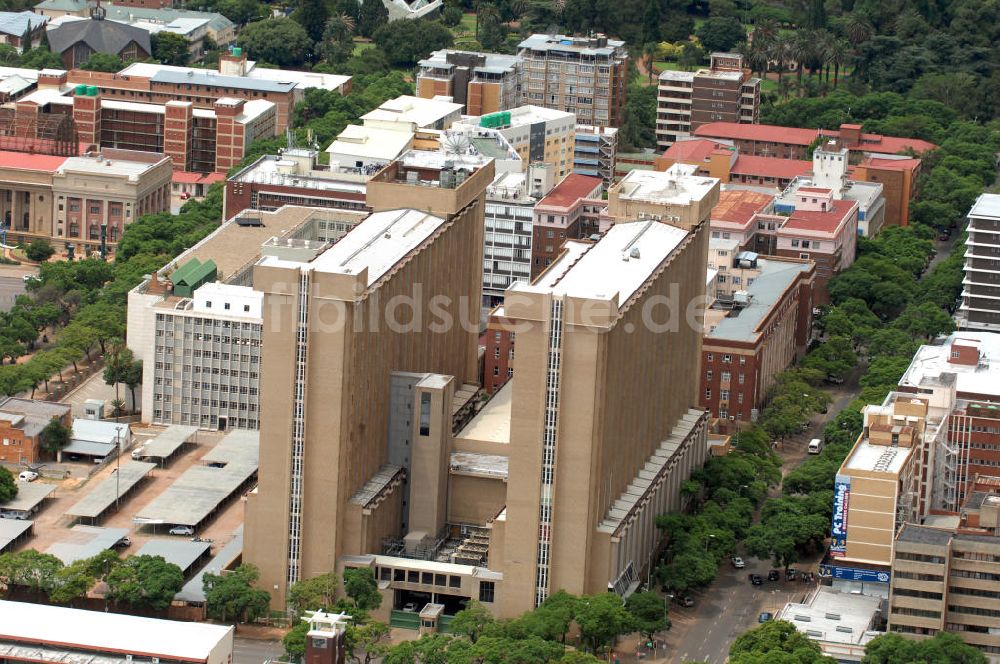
(77, 199)
(980, 306)
(596, 152)
(759, 324)
(724, 92)
(570, 211)
(483, 82)
(22, 426)
(586, 76)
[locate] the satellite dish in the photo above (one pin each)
(456, 144)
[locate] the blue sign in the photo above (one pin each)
(856, 574)
(841, 504)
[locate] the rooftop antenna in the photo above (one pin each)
(290, 138)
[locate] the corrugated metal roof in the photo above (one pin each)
(217, 80)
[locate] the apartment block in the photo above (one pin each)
(483, 82)
(196, 323)
(875, 494)
(980, 306)
(960, 378)
(734, 217)
(948, 579)
(724, 92)
(586, 76)
(759, 323)
(571, 211)
(830, 171)
(596, 152)
(84, 200)
(676, 196)
(898, 177)
(793, 143)
(538, 134)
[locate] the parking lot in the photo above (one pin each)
(51, 522)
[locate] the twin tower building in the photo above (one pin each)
(377, 449)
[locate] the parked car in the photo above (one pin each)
(29, 277)
(410, 607)
(28, 476)
(123, 543)
(791, 573)
(685, 601)
(182, 530)
(835, 380)
(764, 617)
(137, 452)
(738, 562)
(773, 575)
(756, 579)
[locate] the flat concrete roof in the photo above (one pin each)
(987, 205)
(765, 292)
(107, 632)
(492, 466)
(168, 442)
(932, 361)
(675, 185)
(199, 491)
(492, 423)
(29, 495)
(181, 552)
(834, 616)
(877, 458)
(103, 495)
(82, 542)
(622, 261)
(194, 589)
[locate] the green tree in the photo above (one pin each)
(373, 15)
(776, 641)
(171, 48)
(277, 41)
(8, 487)
(295, 641)
(39, 250)
(472, 621)
(406, 42)
(312, 15)
(721, 33)
(602, 618)
(639, 127)
(367, 642)
(315, 594)
(117, 364)
(55, 436)
(145, 582)
(41, 58)
(105, 62)
(649, 612)
(360, 585)
(943, 648)
(836, 357)
(491, 30)
(72, 582)
(232, 596)
(38, 572)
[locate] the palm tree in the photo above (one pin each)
(764, 32)
(802, 49)
(858, 29)
(340, 27)
(837, 55)
(780, 53)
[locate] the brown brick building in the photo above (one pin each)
(21, 424)
(898, 176)
(569, 212)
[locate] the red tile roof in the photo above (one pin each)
(823, 222)
(771, 167)
(187, 177)
(30, 162)
(757, 132)
(888, 144)
(696, 150)
(738, 206)
(570, 190)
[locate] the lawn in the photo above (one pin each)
(361, 46)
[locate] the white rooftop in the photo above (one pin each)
(987, 205)
(676, 185)
(371, 142)
(303, 79)
(492, 423)
(931, 361)
(376, 244)
(877, 458)
(94, 166)
(114, 632)
(421, 112)
(617, 265)
(99, 431)
(834, 616)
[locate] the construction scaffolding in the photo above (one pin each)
(38, 133)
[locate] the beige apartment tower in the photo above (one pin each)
(334, 337)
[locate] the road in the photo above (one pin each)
(255, 651)
(731, 605)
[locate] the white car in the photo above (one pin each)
(410, 607)
(137, 452)
(738, 562)
(28, 476)
(182, 530)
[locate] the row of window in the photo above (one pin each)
(726, 358)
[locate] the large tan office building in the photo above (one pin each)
(334, 340)
(375, 452)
